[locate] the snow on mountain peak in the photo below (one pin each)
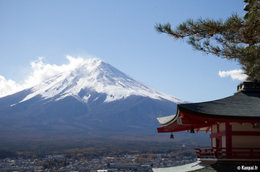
(95, 75)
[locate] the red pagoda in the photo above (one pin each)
(234, 123)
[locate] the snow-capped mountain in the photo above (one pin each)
(91, 98)
(98, 76)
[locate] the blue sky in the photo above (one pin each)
(121, 33)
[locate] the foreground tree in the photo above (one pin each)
(236, 38)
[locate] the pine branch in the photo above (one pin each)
(233, 39)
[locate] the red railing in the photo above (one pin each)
(223, 153)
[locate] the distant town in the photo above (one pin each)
(114, 156)
(125, 162)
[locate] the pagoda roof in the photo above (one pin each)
(243, 106)
(240, 105)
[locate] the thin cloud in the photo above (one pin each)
(8, 86)
(40, 72)
(237, 74)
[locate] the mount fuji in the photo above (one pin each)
(91, 99)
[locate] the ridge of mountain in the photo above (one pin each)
(90, 99)
(96, 75)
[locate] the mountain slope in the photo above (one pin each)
(96, 75)
(91, 99)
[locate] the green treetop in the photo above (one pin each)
(236, 38)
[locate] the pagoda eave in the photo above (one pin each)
(187, 121)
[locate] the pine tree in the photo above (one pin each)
(235, 38)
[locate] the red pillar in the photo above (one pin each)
(228, 139)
